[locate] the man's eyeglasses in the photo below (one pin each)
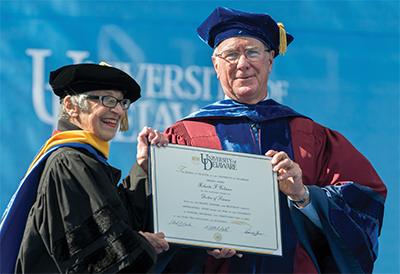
(110, 101)
(232, 56)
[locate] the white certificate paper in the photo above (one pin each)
(214, 199)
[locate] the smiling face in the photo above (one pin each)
(101, 121)
(243, 81)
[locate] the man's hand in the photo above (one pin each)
(156, 240)
(223, 253)
(290, 176)
(148, 136)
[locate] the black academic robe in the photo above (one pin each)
(81, 220)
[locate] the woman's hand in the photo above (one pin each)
(147, 137)
(157, 240)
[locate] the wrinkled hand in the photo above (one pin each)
(148, 136)
(223, 253)
(156, 240)
(290, 175)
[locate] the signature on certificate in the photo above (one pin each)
(248, 228)
(254, 233)
(217, 228)
(180, 223)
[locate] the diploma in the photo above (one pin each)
(215, 199)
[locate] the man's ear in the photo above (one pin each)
(216, 64)
(71, 109)
(271, 60)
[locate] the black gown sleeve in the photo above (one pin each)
(136, 190)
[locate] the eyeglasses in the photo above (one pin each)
(252, 54)
(110, 101)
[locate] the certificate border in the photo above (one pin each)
(277, 251)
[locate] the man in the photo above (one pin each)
(79, 220)
(331, 199)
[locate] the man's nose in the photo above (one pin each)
(242, 61)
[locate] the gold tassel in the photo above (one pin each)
(124, 126)
(282, 39)
(102, 63)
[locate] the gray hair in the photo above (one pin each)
(78, 100)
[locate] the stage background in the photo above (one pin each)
(342, 69)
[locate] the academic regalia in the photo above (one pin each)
(68, 214)
(345, 190)
(79, 220)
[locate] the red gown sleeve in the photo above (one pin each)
(326, 157)
(193, 133)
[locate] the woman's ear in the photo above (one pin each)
(71, 109)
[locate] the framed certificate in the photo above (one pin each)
(215, 199)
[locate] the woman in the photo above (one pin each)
(79, 219)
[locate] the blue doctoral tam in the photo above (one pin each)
(224, 23)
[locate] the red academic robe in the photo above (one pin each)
(327, 159)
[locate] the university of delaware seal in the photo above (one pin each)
(217, 237)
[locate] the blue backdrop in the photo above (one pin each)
(342, 70)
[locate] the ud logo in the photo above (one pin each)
(195, 160)
(210, 161)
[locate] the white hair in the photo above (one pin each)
(78, 100)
